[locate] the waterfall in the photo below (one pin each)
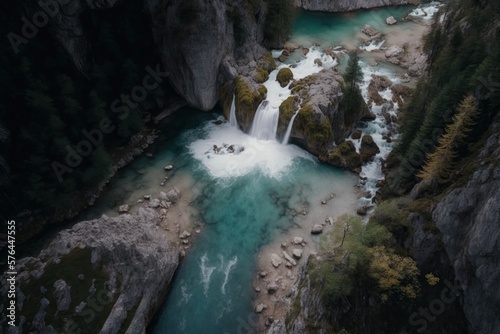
(265, 122)
(232, 114)
(289, 128)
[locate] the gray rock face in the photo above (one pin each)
(468, 220)
(324, 96)
(348, 5)
(138, 262)
(199, 47)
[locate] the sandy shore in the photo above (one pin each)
(319, 210)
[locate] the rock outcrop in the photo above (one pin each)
(344, 156)
(319, 121)
(197, 43)
(202, 44)
(467, 218)
(106, 275)
(416, 63)
(349, 5)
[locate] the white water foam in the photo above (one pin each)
(185, 295)
(260, 150)
(372, 46)
(227, 271)
(426, 11)
(270, 157)
(206, 273)
(377, 128)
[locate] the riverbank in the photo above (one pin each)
(276, 276)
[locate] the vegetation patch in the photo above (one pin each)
(285, 75)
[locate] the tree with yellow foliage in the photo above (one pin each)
(439, 164)
(395, 275)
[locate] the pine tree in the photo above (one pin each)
(439, 164)
(352, 94)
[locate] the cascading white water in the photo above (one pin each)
(289, 128)
(232, 115)
(265, 122)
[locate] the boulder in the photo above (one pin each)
(356, 134)
(391, 20)
(185, 234)
(381, 82)
(168, 167)
(276, 260)
(261, 307)
(284, 76)
(394, 54)
(317, 229)
(368, 148)
(154, 203)
(123, 208)
(289, 258)
(173, 195)
(272, 287)
(344, 156)
(297, 240)
(297, 253)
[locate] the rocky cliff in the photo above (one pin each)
(200, 43)
(467, 219)
(107, 275)
(348, 5)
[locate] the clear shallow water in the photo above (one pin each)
(244, 208)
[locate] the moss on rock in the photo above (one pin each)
(247, 100)
(315, 126)
(344, 156)
(265, 66)
(287, 110)
(285, 75)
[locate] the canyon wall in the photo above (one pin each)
(349, 5)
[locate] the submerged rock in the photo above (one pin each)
(368, 30)
(391, 20)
